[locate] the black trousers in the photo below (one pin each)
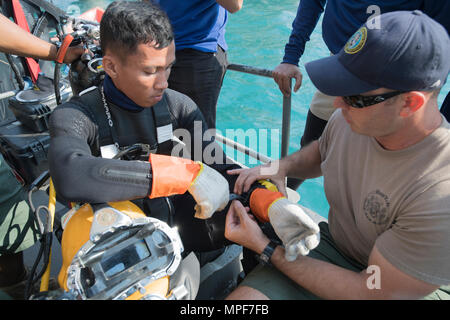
(445, 108)
(199, 75)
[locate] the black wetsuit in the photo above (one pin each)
(80, 174)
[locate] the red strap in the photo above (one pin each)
(19, 17)
(94, 14)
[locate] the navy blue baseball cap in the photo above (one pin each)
(409, 52)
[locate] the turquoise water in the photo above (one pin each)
(256, 36)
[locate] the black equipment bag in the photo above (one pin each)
(24, 150)
(34, 107)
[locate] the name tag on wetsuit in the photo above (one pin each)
(164, 133)
(109, 151)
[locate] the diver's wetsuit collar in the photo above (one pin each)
(118, 97)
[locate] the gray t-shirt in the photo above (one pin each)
(398, 201)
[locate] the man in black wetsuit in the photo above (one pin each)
(134, 107)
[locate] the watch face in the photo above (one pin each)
(264, 258)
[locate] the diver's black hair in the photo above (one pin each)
(126, 24)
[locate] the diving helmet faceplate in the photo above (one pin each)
(126, 256)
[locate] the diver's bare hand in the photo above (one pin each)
(242, 228)
(247, 177)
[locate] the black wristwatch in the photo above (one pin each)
(265, 256)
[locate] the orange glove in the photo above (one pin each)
(172, 175)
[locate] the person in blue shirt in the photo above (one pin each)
(201, 58)
(341, 19)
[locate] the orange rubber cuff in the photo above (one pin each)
(171, 175)
(260, 202)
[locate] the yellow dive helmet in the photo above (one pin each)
(114, 251)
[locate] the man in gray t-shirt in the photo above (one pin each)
(385, 158)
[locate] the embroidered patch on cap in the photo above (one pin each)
(356, 42)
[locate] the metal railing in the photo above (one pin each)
(286, 123)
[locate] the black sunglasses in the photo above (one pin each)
(359, 101)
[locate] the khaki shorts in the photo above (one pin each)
(322, 105)
(276, 286)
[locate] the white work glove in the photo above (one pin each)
(211, 192)
(298, 232)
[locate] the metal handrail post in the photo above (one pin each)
(286, 124)
(244, 149)
(251, 70)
